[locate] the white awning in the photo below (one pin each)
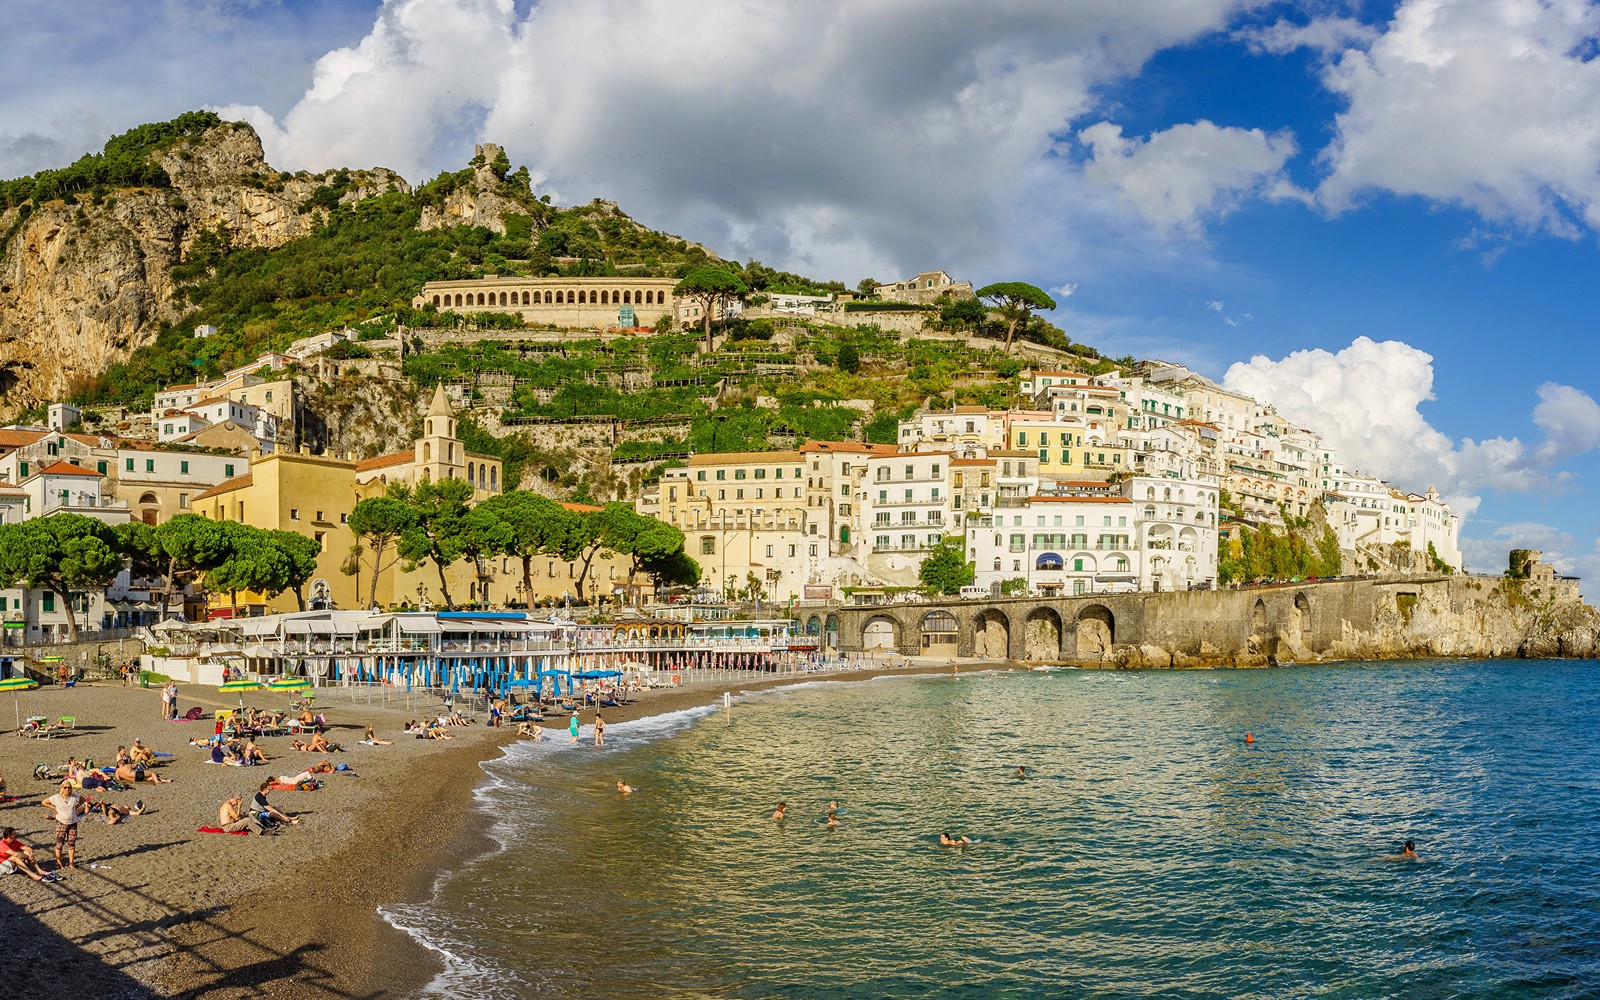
(420, 626)
(258, 626)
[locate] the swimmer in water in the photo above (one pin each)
(624, 788)
(945, 840)
(778, 813)
(1022, 772)
(1407, 853)
(833, 820)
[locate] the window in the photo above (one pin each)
(813, 550)
(320, 517)
(129, 466)
(149, 465)
(227, 470)
(22, 470)
(319, 536)
(769, 552)
(1077, 565)
(722, 473)
(49, 603)
(701, 475)
(911, 471)
(792, 548)
(183, 468)
(738, 473)
(738, 494)
(761, 473)
(708, 545)
(183, 501)
(844, 490)
(294, 513)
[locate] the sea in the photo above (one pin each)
(1150, 850)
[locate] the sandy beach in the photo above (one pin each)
(157, 909)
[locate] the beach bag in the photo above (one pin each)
(194, 714)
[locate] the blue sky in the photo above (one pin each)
(1381, 216)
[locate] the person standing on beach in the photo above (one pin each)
(599, 730)
(68, 808)
(166, 702)
(572, 728)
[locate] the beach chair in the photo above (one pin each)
(67, 722)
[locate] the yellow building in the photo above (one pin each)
(314, 496)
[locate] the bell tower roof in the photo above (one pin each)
(440, 407)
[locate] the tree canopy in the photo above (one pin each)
(64, 554)
(1015, 301)
(378, 523)
(946, 570)
(438, 534)
(713, 288)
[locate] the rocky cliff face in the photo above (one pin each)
(82, 285)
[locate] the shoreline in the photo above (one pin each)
(170, 912)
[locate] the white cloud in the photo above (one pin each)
(841, 136)
(1214, 305)
(1488, 104)
(1326, 34)
(1366, 402)
(1180, 175)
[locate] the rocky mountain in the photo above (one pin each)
(86, 279)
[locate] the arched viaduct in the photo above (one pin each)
(1260, 625)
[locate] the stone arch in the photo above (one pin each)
(458, 300)
(991, 634)
(436, 300)
(472, 470)
(1042, 635)
(583, 297)
(813, 625)
(548, 298)
(880, 632)
(939, 633)
(1097, 632)
(494, 479)
(605, 297)
(149, 498)
(1258, 617)
(627, 296)
(830, 627)
(503, 299)
(481, 301)
(427, 451)
(1300, 618)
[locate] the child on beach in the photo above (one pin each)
(572, 728)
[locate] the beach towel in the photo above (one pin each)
(218, 829)
(304, 786)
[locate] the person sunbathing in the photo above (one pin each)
(141, 754)
(114, 813)
(309, 774)
(436, 732)
(253, 754)
(373, 741)
(135, 773)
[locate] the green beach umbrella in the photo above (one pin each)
(15, 684)
(289, 684)
(241, 686)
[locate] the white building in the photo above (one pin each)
(1059, 545)
(906, 510)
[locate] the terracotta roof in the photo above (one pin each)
(180, 388)
(581, 508)
(6, 487)
(747, 458)
(16, 439)
(227, 486)
(971, 409)
(66, 469)
(214, 399)
(384, 461)
(848, 447)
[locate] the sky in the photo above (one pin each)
(1382, 217)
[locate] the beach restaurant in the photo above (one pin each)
(461, 650)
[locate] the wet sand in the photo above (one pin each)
(178, 913)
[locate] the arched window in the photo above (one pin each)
(149, 498)
(627, 297)
(483, 480)
(427, 452)
(547, 298)
(526, 299)
(605, 298)
(470, 467)
(494, 478)
(481, 302)
(650, 298)
(560, 299)
(503, 298)
(436, 300)
(458, 300)
(583, 297)
(615, 297)
(997, 564)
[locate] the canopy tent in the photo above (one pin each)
(594, 675)
(557, 677)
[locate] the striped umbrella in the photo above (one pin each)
(15, 684)
(241, 686)
(289, 684)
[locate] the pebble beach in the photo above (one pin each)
(157, 909)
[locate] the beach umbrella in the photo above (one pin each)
(15, 684)
(241, 686)
(289, 684)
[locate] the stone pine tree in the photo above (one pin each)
(378, 523)
(65, 554)
(438, 536)
(539, 526)
(1015, 301)
(714, 288)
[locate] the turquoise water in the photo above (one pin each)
(1150, 852)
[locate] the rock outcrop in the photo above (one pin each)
(82, 285)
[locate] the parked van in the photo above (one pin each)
(973, 592)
